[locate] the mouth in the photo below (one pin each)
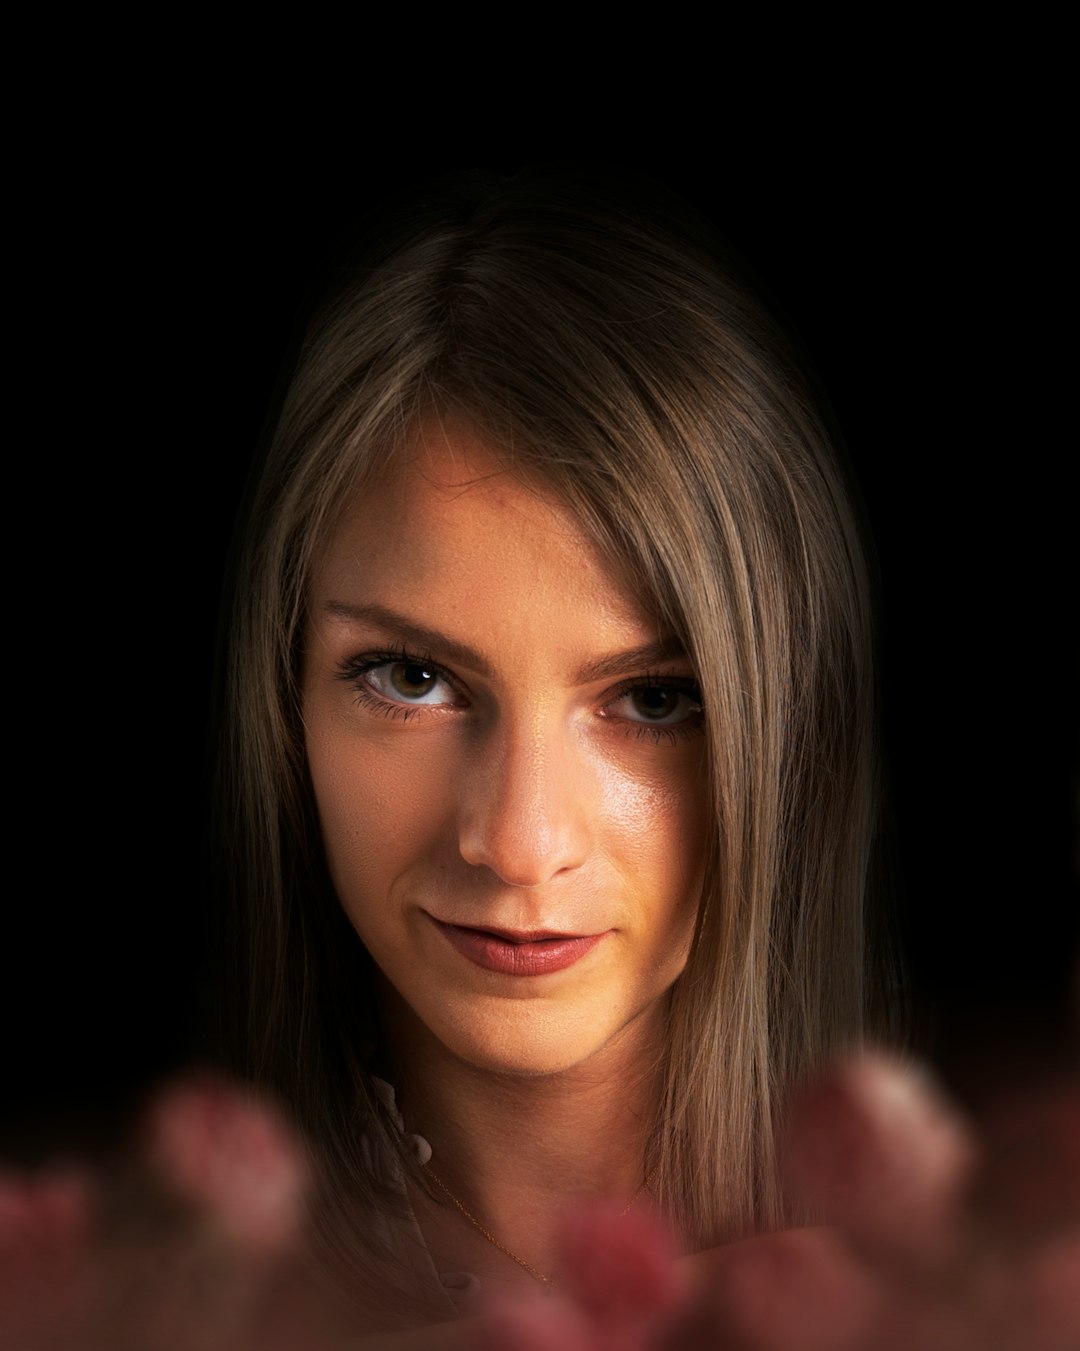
(518, 953)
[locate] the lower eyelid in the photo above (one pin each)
(673, 732)
(367, 698)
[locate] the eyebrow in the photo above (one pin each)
(399, 626)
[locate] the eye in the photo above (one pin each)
(409, 682)
(658, 705)
(396, 683)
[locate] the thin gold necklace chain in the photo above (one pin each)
(546, 1281)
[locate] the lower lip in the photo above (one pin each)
(538, 958)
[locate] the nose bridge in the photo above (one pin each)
(524, 813)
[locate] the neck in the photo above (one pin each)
(517, 1151)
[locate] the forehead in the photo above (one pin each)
(452, 520)
(448, 480)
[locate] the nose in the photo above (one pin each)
(525, 812)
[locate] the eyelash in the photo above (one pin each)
(653, 680)
(354, 672)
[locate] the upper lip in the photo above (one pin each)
(511, 935)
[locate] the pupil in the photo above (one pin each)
(411, 679)
(656, 701)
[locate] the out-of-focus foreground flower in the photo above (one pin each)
(923, 1241)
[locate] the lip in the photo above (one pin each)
(513, 953)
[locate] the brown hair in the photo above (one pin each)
(600, 336)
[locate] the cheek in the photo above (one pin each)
(379, 812)
(659, 819)
(656, 825)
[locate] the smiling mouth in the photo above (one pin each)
(515, 953)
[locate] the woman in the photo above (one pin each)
(548, 785)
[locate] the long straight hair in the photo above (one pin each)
(601, 338)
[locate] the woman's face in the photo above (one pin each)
(508, 760)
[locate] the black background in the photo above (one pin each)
(167, 257)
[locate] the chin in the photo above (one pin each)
(534, 1042)
(530, 1062)
(516, 1046)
